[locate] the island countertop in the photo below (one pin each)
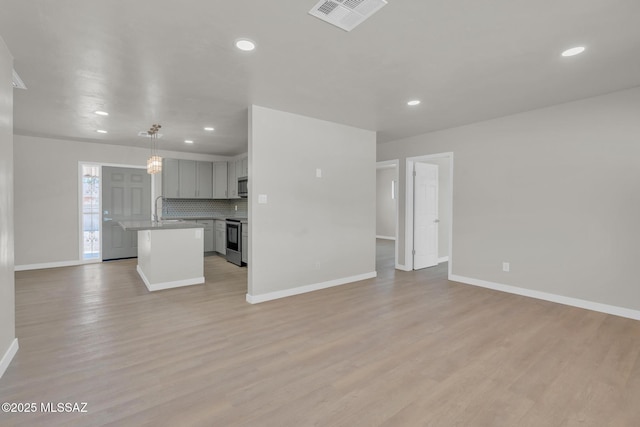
(159, 225)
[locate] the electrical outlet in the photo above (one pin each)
(505, 266)
(317, 265)
(236, 207)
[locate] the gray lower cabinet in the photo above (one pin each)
(221, 237)
(209, 235)
(245, 242)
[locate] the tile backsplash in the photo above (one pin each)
(195, 208)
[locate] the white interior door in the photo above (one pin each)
(425, 216)
(126, 195)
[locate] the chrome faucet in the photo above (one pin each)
(155, 209)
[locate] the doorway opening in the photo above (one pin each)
(429, 211)
(387, 178)
(107, 194)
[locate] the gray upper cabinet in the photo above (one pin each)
(233, 181)
(188, 179)
(237, 169)
(204, 181)
(244, 167)
(191, 179)
(170, 178)
(220, 180)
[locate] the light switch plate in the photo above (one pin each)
(262, 199)
(318, 173)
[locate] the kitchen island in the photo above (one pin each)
(169, 253)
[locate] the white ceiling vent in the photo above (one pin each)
(145, 134)
(17, 81)
(346, 14)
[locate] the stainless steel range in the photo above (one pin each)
(234, 241)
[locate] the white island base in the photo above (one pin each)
(169, 258)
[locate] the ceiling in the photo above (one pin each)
(175, 63)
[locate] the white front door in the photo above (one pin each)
(425, 216)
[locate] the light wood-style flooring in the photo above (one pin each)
(404, 349)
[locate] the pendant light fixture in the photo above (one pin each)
(154, 164)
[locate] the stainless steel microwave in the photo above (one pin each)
(243, 186)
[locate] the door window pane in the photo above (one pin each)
(90, 212)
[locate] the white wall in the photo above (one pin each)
(8, 343)
(555, 192)
(308, 220)
(46, 193)
(385, 205)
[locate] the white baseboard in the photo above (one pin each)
(47, 265)
(168, 285)
(255, 299)
(405, 268)
(386, 237)
(574, 302)
(8, 356)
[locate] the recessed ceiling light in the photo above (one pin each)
(573, 51)
(209, 129)
(101, 113)
(245, 45)
(413, 103)
(101, 131)
(188, 141)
